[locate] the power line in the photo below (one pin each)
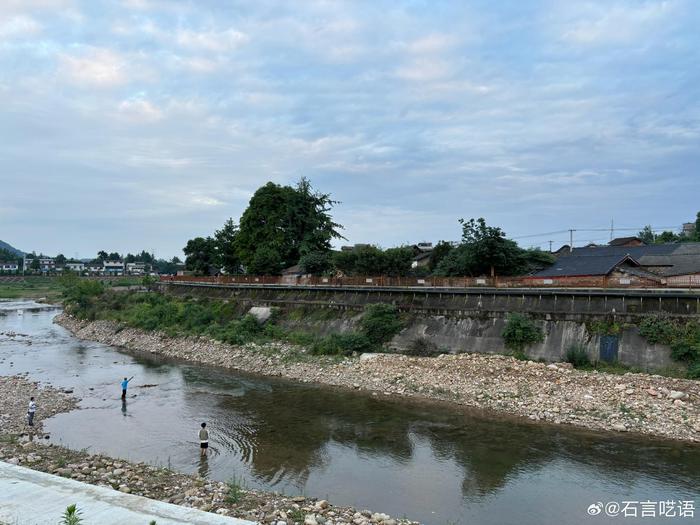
(543, 234)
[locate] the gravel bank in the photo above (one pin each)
(15, 392)
(641, 403)
(25, 446)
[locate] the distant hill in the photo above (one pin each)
(5, 246)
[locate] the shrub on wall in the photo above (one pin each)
(577, 356)
(521, 332)
(682, 337)
(380, 323)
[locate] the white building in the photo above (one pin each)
(113, 268)
(6, 266)
(136, 268)
(75, 266)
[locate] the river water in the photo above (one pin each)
(426, 461)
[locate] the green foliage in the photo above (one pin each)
(201, 255)
(422, 347)
(694, 370)
(380, 323)
(658, 329)
(521, 332)
(80, 294)
(485, 250)
(371, 260)
(686, 350)
(71, 516)
(226, 249)
(235, 490)
(647, 234)
(604, 327)
(316, 263)
(441, 250)
(578, 356)
(342, 344)
(266, 261)
(682, 337)
(286, 222)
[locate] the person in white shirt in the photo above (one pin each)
(30, 412)
(203, 439)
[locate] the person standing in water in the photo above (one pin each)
(125, 385)
(203, 440)
(30, 412)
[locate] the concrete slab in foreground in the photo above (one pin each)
(30, 497)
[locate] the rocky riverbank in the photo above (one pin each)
(15, 392)
(641, 403)
(25, 446)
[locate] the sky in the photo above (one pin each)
(143, 123)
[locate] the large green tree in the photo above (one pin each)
(227, 250)
(371, 260)
(287, 221)
(485, 250)
(200, 255)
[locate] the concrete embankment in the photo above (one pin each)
(472, 320)
(31, 497)
(555, 393)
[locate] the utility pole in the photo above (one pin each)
(550, 246)
(571, 240)
(612, 228)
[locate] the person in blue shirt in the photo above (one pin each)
(125, 384)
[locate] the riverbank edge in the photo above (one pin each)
(649, 405)
(28, 447)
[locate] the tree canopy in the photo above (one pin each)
(280, 225)
(200, 255)
(371, 260)
(485, 250)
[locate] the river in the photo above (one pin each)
(426, 461)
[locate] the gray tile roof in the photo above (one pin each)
(581, 265)
(662, 259)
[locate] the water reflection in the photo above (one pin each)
(431, 463)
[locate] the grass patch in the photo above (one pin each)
(235, 490)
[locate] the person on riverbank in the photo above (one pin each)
(125, 385)
(203, 440)
(30, 412)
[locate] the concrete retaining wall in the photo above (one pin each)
(442, 322)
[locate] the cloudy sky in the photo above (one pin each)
(140, 124)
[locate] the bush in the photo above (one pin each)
(421, 347)
(694, 370)
(658, 329)
(342, 344)
(577, 356)
(685, 350)
(380, 323)
(520, 332)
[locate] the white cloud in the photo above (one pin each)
(19, 26)
(430, 44)
(425, 70)
(140, 111)
(98, 67)
(217, 41)
(617, 24)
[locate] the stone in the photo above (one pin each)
(310, 519)
(261, 313)
(322, 504)
(619, 427)
(368, 356)
(125, 489)
(676, 394)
